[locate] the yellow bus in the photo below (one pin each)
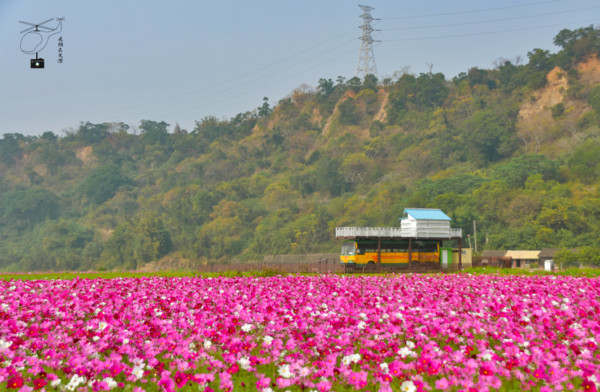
(393, 252)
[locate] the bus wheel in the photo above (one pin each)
(371, 262)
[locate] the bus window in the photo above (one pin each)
(348, 249)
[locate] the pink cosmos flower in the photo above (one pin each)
(442, 384)
(323, 386)
(167, 383)
(263, 382)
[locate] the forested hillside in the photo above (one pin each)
(516, 148)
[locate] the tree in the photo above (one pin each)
(9, 149)
(90, 133)
(265, 109)
(490, 135)
(349, 112)
(594, 99)
(578, 43)
(518, 169)
(63, 244)
(53, 157)
(155, 133)
(325, 87)
(356, 168)
(370, 82)
(25, 208)
(132, 244)
(152, 227)
(103, 183)
(584, 163)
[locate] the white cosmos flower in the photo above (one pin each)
(5, 344)
(408, 386)
(244, 363)
(284, 371)
(384, 368)
(247, 327)
(138, 371)
(111, 382)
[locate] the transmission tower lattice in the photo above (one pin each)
(366, 55)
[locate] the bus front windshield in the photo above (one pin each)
(348, 248)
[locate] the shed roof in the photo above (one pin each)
(426, 214)
(523, 254)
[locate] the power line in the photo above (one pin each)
(474, 11)
(237, 86)
(328, 51)
(490, 32)
(492, 20)
(240, 76)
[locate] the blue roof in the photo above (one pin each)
(426, 214)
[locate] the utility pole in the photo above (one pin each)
(366, 56)
(475, 235)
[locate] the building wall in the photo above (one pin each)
(425, 228)
(467, 256)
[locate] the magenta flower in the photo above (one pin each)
(14, 382)
(540, 373)
(486, 370)
(588, 385)
(470, 332)
(39, 383)
(167, 384)
(180, 379)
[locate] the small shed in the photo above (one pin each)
(425, 223)
(522, 258)
(466, 256)
(492, 257)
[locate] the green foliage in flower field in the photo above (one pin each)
(481, 146)
(575, 272)
(267, 272)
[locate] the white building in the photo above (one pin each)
(427, 223)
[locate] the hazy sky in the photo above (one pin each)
(180, 60)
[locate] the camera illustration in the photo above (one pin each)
(37, 63)
(36, 37)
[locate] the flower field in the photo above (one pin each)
(454, 332)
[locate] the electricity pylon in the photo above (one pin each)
(366, 56)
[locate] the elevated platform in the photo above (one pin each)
(396, 232)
